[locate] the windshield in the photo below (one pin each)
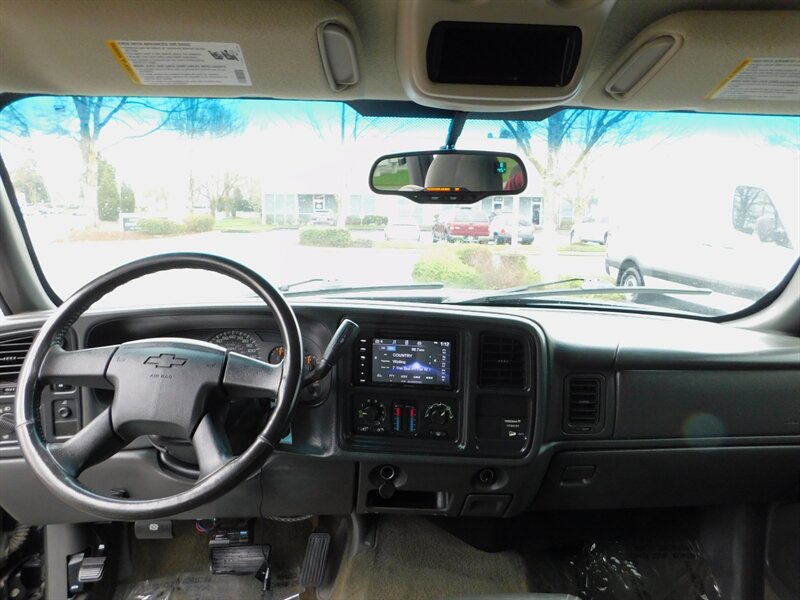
(702, 208)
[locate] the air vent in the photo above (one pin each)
(583, 404)
(12, 355)
(502, 362)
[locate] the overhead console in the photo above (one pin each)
(510, 55)
(503, 54)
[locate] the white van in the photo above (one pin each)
(726, 227)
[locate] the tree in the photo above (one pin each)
(108, 199)
(350, 126)
(13, 122)
(94, 114)
(219, 191)
(197, 117)
(127, 200)
(84, 118)
(584, 129)
(28, 182)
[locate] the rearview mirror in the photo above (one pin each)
(448, 176)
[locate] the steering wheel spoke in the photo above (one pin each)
(247, 377)
(210, 445)
(78, 367)
(93, 444)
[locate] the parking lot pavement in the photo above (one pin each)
(276, 254)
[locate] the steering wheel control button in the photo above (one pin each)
(64, 409)
(64, 417)
(62, 429)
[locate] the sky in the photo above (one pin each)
(296, 146)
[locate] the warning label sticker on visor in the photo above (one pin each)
(181, 63)
(761, 79)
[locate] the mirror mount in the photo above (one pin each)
(455, 129)
(448, 176)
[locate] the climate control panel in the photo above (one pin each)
(405, 417)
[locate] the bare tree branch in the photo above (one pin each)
(102, 123)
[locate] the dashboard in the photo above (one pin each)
(458, 411)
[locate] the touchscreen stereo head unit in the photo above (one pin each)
(404, 361)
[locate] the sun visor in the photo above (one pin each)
(505, 56)
(730, 62)
(171, 47)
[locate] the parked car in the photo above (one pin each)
(465, 225)
(501, 229)
(590, 229)
(748, 229)
(402, 230)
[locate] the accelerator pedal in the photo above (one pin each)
(313, 571)
(238, 560)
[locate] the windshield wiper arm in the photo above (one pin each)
(499, 296)
(512, 290)
(288, 286)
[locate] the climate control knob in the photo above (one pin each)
(371, 412)
(439, 414)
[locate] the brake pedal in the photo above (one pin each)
(313, 571)
(238, 560)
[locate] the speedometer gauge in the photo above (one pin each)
(237, 341)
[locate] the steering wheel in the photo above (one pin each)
(162, 386)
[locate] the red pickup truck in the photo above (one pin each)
(466, 225)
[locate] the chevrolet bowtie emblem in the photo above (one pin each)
(165, 361)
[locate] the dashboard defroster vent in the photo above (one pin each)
(502, 362)
(12, 354)
(583, 404)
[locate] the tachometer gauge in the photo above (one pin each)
(238, 341)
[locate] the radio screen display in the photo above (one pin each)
(423, 362)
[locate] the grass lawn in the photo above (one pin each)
(365, 227)
(240, 225)
(104, 235)
(403, 245)
(582, 248)
(393, 180)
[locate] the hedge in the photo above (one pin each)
(326, 236)
(158, 226)
(199, 223)
(381, 220)
(474, 267)
(446, 268)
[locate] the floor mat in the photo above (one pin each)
(627, 571)
(177, 569)
(415, 559)
(203, 586)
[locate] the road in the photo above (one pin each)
(275, 254)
